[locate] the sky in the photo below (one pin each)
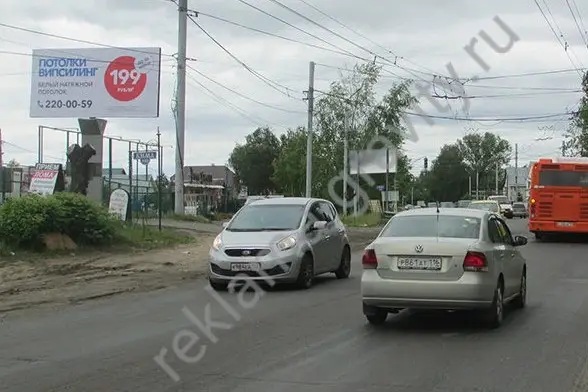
(536, 81)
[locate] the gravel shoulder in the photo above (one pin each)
(76, 278)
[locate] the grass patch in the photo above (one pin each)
(366, 220)
(189, 218)
(147, 238)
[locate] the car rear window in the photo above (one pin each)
(485, 206)
(448, 226)
(518, 206)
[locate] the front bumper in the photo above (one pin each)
(473, 290)
(276, 267)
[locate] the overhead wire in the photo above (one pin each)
(583, 34)
(243, 95)
(559, 37)
(274, 85)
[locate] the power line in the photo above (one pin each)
(583, 34)
(264, 32)
(356, 32)
(274, 85)
(243, 95)
(256, 120)
(521, 119)
(74, 39)
(506, 95)
(560, 37)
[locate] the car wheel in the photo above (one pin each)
(495, 314)
(306, 273)
(216, 286)
(344, 269)
(539, 236)
(521, 300)
(378, 317)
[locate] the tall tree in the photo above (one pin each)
(483, 154)
(576, 136)
(253, 161)
(448, 179)
(290, 165)
(351, 103)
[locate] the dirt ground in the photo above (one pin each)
(78, 278)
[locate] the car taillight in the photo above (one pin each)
(369, 259)
(475, 262)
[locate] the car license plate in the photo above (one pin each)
(236, 267)
(419, 263)
(564, 224)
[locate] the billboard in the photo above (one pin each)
(372, 161)
(96, 82)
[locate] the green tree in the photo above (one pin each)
(351, 103)
(448, 179)
(576, 136)
(290, 165)
(253, 161)
(482, 154)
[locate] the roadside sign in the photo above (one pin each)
(95, 82)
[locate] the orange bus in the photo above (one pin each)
(558, 196)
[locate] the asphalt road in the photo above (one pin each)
(312, 341)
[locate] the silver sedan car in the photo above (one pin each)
(450, 259)
(280, 240)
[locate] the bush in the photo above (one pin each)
(24, 220)
(222, 216)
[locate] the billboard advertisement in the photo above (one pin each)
(96, 82)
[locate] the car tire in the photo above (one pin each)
(217, 286)
(495, 314)
(539, 236)
(306, 273)
(377, 318)
(520, 301)
(344, 269)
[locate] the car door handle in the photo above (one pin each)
(513, 254)
(327, 237)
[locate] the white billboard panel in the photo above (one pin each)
(372, 161)
(96, 82)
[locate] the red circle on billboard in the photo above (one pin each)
(123, 81)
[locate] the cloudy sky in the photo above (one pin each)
(534, 80)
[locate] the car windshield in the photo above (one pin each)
(267, 217)
(484, 206)
(447, 226)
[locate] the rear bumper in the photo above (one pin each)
(473, 290)
(538, 226)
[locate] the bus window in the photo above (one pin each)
(563, 178)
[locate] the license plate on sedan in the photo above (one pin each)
(237, 267)
(419, 263)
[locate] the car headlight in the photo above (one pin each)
(216, 244)
(287, 243)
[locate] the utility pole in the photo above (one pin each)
(470, 186)
(477, 185)
(181, 106)
(496, 179)
(516, 171)
(563, 148)
(2, 171)
(309, 130)
(345, 161)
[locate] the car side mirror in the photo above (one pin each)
(225, 224)
(319, 225)
(519, 240)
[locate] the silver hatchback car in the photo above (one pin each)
(282, 240)
(449, 259)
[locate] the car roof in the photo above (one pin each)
(465, 212)
(302, 201)
(484, 201)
